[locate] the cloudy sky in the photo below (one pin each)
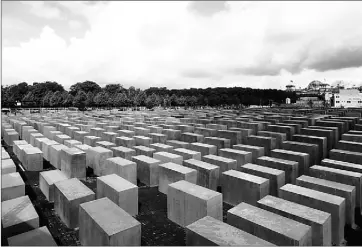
(182, 44)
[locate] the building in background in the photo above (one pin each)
(347, 98)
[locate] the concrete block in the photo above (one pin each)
(61, 138)
(346, 156)
(120, 191)
(37, 237)
(269, 226)
(234, 136)
(159, 147)
(126, 133)
(204, 149)
(143, 150)
(322, 201)
(109, 136)
(276, 177)
(123, 152)
(289, 167)
(173, 134)
(187, 154)
(97, 132)
(350, 146)
(242, 157)
(255, 150)
(147, 170)
(320, 141)
(54, 151)
(165, 157)
(124, 168)
(91, 140)
(225, 164)
(73, 162)
(68, 195)
(106, 144)
(301, 158)
(200, 233)
(12, 186)
(311, 149)
(269, 143)
(170, 173)
(7, 166)
(96, 158)
(207, 174)
(220, 143)
(109, 226)
(178, 144)
(33, 136)
(341, 176)
(188, 202)
(329, 134)
(16, 147)
(342, 190)
(280, 137)
(80, 135)
(46, 148)
(33, 159)
(240, 187)
(319, 221)
(47, 180)
(71, 143)
(18, 215)
(342, 165)
(125, 142)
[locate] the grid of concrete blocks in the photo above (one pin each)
(291, 178)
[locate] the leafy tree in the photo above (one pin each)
(152, 101)
(67, 100)
(120, 100)
(46, 99)
(80, 99)
(101, 99)
(56, 99)
(89, 102)
(113, 88)
(86, 86)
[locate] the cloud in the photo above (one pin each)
(261, 44)
(208, 8)
(43, 9)
(74, 24)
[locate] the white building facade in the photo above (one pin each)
(347, 98)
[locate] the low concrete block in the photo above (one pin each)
(105, 144)
(289, 167)
(182, 194)
(301, 158)
(12, 186)
(7, 166)
(123, 152)
(322, 201)
(170, 173)
(91, 140)
(147, 170)
(73, 162)
(95, 228)
(200, 233)
(240, 187)
(125, 142)
(124, 168)
(120, 191)
(346, 156)
(276, 177)
(37, 237)
(207, 174)
(54, 151)
(68, 195)
(255, 150)
(96, 158)
(33, 159)
(47, 180)
(241, 157)
(283, 231)
(319, 221)
(178, 144)
(168, 157)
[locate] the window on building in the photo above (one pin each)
(348, 101)
(337, 102)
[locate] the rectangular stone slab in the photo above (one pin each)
(320, 222)
(124, 168)
(255, 150)
(188, 202)
(37, 237)
(349, 146)
(46, 148)
(68, 195)
(33, 159)
(187, 154)
(242, 157)
(123, 152)
(207, 174)
(334, 205)
(341, 176)
(16, 148)
(276, 177)
(170, 173)
(346, 156)
(334, 188)
(47, 180)
(234, 136)
(320, 141)
(209, 231)
(105, 144)
(301, 158)
(73, 162)
(18, 216)
(91, 140)
(311, 149)
(147, 169)
(96, 158)
(240, 187)
(168, 157)
(157, 138)
(109, 226)
(220, 143)
(203, 148)
(125, 142)
(12, 186)
(269, 226)
(7, 166)
(159, 147)
(269, 143)
(289, 167)
(120, 191)
(178, 144)
(143, 150)
(54, 151)
(342, 165)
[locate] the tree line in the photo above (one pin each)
(90, 94)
